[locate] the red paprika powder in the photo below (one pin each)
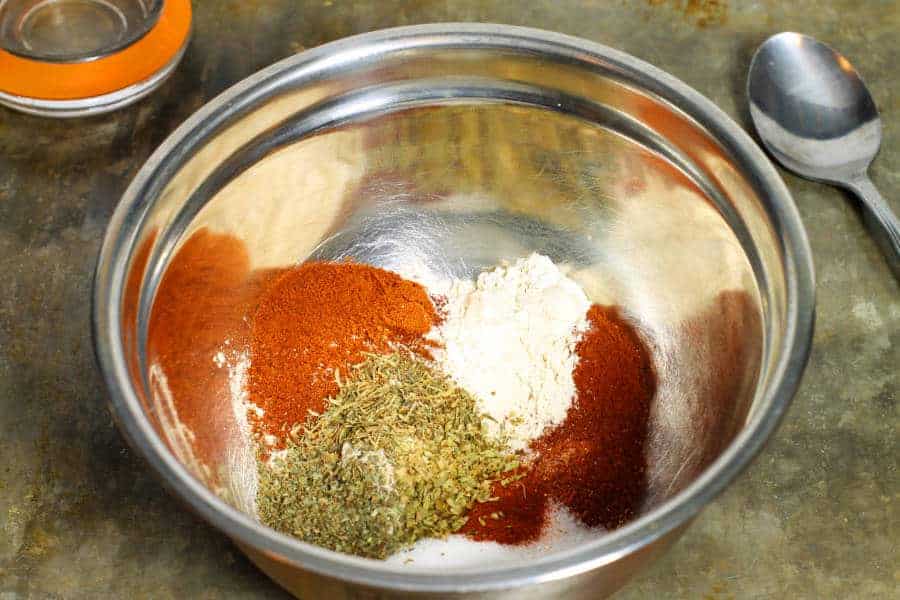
(321, 317)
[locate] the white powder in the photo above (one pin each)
(179, 436)
(240, 479)
(376, 460)
(457, 552)
(509, 339)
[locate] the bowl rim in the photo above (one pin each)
(121, 235)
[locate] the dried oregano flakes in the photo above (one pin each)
(400, 454)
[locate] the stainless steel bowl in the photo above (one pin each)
(454, 147)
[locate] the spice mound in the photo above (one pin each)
(400, 454)
(510, 339)
(387, 412)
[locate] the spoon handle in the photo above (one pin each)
(880, 218)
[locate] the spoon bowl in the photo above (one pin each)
(815, 115)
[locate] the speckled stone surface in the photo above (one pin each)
(816, 516)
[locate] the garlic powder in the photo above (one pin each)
(509, 339)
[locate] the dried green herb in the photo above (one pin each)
(400, 454)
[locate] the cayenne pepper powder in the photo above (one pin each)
(322, 317)
(593, 463)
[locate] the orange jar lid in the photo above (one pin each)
(138, 62)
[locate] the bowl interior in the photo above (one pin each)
(448, 160)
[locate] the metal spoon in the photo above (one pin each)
(815, 115)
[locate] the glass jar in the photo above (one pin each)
(66, 58)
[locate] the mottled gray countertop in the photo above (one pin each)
(816, 516)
